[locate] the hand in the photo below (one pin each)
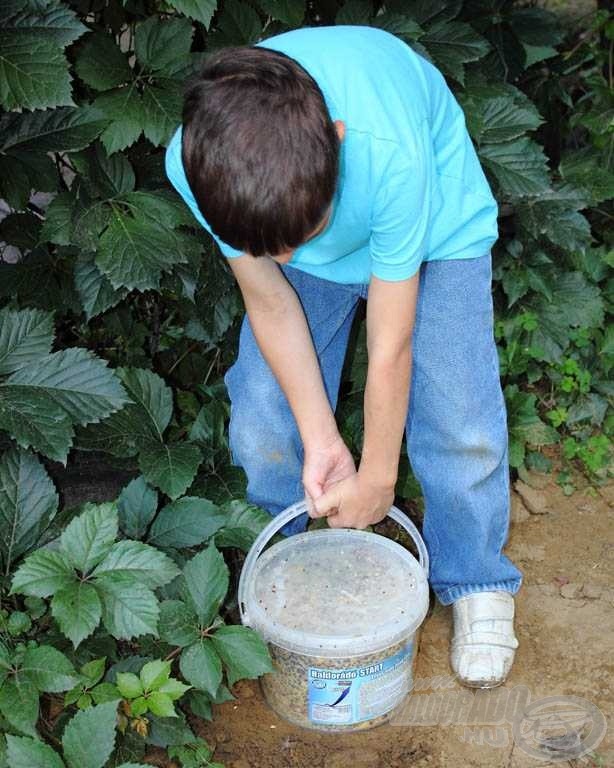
(358, 501)
(324, 466)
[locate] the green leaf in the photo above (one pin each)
(206, 578)
(162, 45)
(519, 166)
(174, 688)
(77, 610)
(290, 12)
(243, 523)
(24, 336)
(137, 505)
(498, 113)
(124, 110)
(583, 169)
(353, 12)
(201, 666)
(162, 103)
(161, 704)
(227, 484)
(243, 652)
(43, 573)
(35, 421)
(57, 227)
(167, 731)
(54, 130)
(452, 44)
(50, 18)
(23, 752)
(200, 10)
(94, 670)
(170, 467)
(74, 379)
(95, 291)
(129, 685)
(105, 692)
(146, 564)
(154, 674)
(48, 670)
(129, 609)
(178, 624)
(239, 23)
(152, 399)
(89, 537)
(89, 738)
(398, 24)
(101, 64)
(33, 72)
(106, 176)
(135, 250)
(28, 503)
(19, 705)
(187, 522)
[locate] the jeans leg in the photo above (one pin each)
(263, 435)
(457, 430)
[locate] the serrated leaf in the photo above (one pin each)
(89, 738)
(34, 420)
(162, 103)
(146, 564)
(290, 12)
(201, 666)
(243, 652)
(497, 113)
(152, 397)
(33, 72)
(519, 166)
(452, 44)
(186, 522)
(28, 503)
(137, 505)
(48, 670)
(239, 23)
(106, 176)
(583, 169)
(19, 705)
(161, 705)
(129, 685)
(76, 381)
(101, 64)
(174, 688)
(162, 45)
(23, 752)
(95, 291)
(206, 579)
(353, 12)
(170, 467)
(94, 670)
(58, 130)
(129, 609)
(135, 251)
(166, 731)
(178, 624)
(159, 205)
(89, 537)
(24, 336)
(200, 10)
(51, 19)
(77, 610)
(43, 573)
(244, 521)
(105, 692)
(123, 108)
(398, 24)
(57, 227)
(154, 674)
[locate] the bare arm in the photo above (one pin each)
(283, 336)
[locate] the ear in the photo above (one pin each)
(340, 126)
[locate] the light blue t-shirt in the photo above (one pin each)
(410, 184)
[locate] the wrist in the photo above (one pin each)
(384, 479)
(321, 437)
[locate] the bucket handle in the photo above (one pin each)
(297, 509)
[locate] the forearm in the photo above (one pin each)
(284, 339)
(386, 402)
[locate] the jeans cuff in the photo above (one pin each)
(451, 594)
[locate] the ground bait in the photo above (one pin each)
(287, 688)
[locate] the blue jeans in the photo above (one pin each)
(456, 426)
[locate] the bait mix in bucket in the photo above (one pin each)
(340, 610)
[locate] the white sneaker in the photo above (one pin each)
(484, 642)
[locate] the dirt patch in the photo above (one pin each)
(565, 623)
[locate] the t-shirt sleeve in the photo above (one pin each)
(176, 175)
(401, 215)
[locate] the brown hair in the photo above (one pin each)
(259, 149)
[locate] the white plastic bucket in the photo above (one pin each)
(340, 610)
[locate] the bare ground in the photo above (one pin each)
(565, 623)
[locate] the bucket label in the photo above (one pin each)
(354, 694)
